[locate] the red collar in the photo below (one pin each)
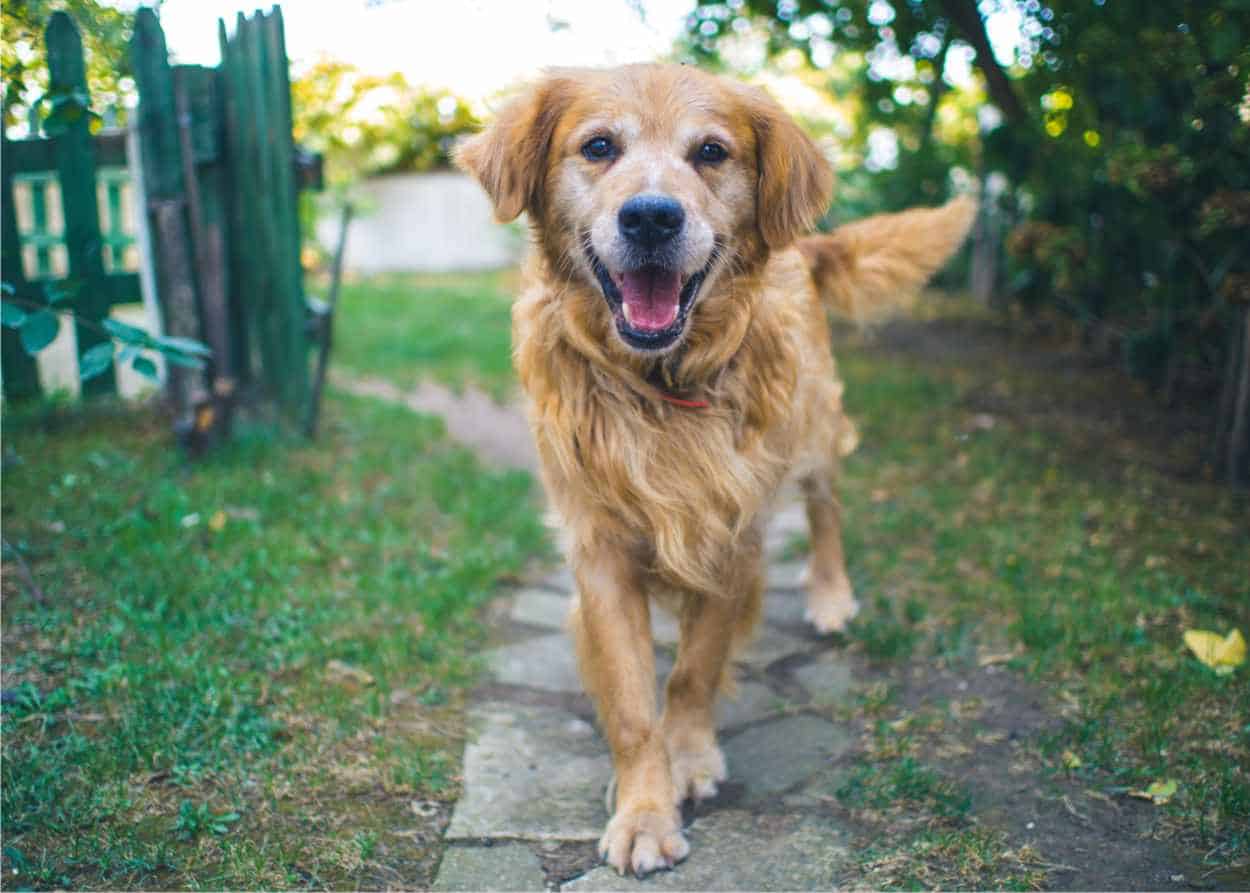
(677, 401)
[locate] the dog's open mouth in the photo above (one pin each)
(649, 305)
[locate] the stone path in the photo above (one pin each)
(536, 767)
(498, 433)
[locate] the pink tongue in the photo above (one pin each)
(651, 297)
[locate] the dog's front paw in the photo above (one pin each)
(830, 605)
(642, 841)
(696, 771)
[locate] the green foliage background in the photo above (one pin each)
(1124, 147)
(105, 33)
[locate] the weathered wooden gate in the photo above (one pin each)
(218, 181)
(71, 252)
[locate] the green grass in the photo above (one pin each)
(240, 673)
(454, 328)
(1019, 537)
(920, 829)
(170, 719)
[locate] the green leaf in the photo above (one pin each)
(61, 293)
(183, 345)
(1225, 42)
(39, 330)
(8, 288)
(11, 315)
(123, 332)
(95, 361)
(181, 359)
(145, 367)
(127, 352)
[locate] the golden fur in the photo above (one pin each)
(662, 502)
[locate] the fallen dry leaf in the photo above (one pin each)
(990, 660)
(1222, 654)
(217, 521)
(1158, 793)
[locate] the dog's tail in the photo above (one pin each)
(867, 268)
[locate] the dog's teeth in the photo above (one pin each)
(629, 317)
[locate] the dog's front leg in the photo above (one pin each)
(612, 631)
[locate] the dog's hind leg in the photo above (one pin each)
(611, 629)
(689, 721)
(830, 599)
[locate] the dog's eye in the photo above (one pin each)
(599, 149)
(712, 152)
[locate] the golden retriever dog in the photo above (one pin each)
(673, 344)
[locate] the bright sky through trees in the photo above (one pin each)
(473, 47)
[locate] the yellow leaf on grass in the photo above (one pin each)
(1158, 793)
(217, 521)
(1071, 760)
(1221, 653)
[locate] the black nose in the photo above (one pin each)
(650, 220)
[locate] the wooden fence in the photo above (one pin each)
(214, 192)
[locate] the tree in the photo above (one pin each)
(1125, 147)
(365, 124)
(105, 33)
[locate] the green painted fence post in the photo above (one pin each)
(195, 89)
(290, 272)
(239, 224)
(256, 71)
(161, 153)
(75, 162)
(21, 374)
(264, 251)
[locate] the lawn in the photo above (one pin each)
(243, 673)
(454, 328)
(1003, 512)
(248, 672)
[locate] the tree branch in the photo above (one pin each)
(964, 14)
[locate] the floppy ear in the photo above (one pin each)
(795, 180)
(509, 157)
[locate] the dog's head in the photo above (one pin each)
(653, 184)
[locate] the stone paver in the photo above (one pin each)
(752, 702)
(785, 607)
(664, 627)
(550, 609)
(827, 679)
(735, 850)
(536, 773)
(789, 575)
(547, 663)
(787, 524)
(504, 866)
(769, 759)
(541, 607)
(533, 773)
(561, 579)
(769, 645)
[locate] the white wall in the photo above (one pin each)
(439, 221)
